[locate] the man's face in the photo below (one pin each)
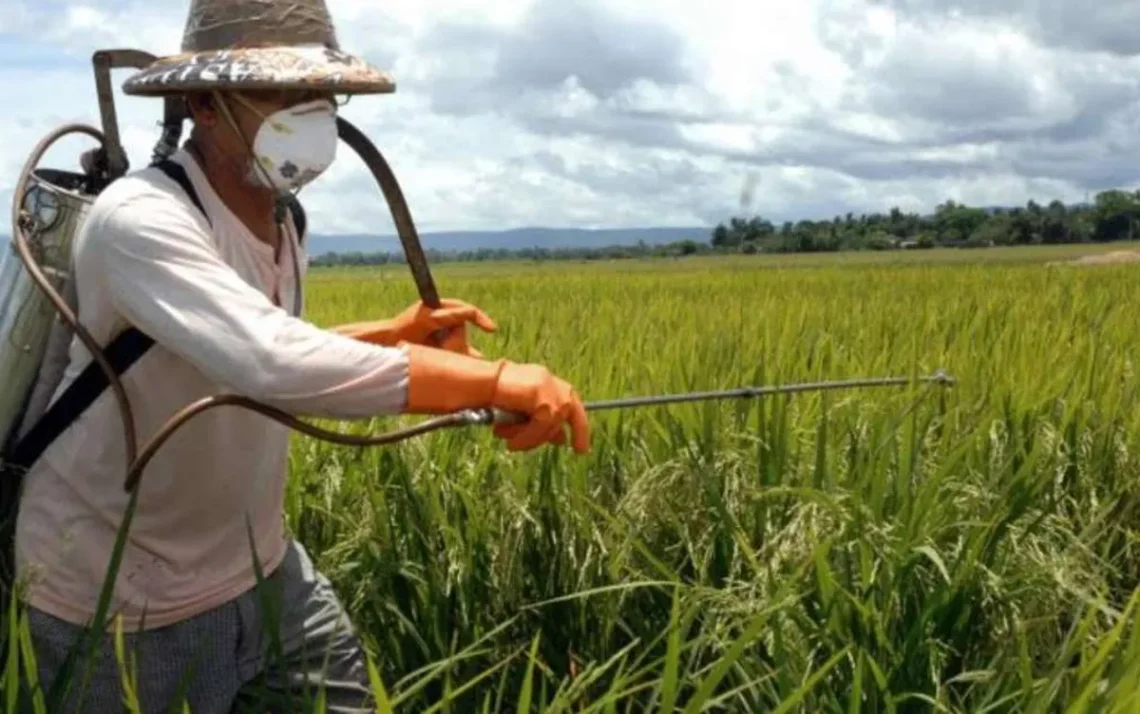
(248, 112)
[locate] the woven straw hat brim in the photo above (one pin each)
(252, 68)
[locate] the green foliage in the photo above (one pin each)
(904, 550)
(863, 551)
(1114, 216)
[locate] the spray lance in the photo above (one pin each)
(48, 209)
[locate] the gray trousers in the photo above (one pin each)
(227, 660)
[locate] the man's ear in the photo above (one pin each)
(201, 109)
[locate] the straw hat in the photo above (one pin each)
(259, 44)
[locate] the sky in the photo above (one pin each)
(629, 113)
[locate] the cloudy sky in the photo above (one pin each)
(661, 112)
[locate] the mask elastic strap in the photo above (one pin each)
(297, 292)
(281, 199)
(248, 142)
(282, 196)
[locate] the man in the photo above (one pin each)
(212, 275)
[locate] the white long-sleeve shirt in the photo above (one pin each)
(147, 257)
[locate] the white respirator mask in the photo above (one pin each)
(295, 145)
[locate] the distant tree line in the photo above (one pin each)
(1113, 216)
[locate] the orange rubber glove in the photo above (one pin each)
(418, 322)
(441, 382)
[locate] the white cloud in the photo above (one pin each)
(639, 112)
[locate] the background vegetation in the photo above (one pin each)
(1112, 216)
(922, 549)
(913, 549)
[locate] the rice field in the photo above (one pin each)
(901, 549)
(923, 548)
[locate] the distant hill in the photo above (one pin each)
(515, 239)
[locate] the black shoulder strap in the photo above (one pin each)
(124, 351)
(299, 218)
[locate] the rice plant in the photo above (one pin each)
(908, 549)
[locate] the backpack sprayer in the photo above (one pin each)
(38, 306)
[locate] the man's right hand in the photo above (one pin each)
(549, 402)
(442, 382)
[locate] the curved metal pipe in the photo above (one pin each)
(401, 215)
(23, 248)
(186, 414)
(488, 417)
(425, 285)
(137, 461)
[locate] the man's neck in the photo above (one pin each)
(253, 206)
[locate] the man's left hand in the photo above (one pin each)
(418, 322)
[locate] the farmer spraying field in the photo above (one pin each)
(184, 293)
(203, 254)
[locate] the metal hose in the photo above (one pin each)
(138, 459)
(23, 249)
